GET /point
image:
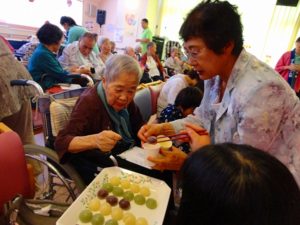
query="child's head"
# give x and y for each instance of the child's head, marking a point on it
(188, 99)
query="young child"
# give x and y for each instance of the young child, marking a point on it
(186, 101)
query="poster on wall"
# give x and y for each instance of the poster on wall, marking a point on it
(130, 24)
(119, 35)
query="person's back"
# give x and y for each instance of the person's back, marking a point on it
(231, 184)
(170, 90)
(43, 65)
(186, 101)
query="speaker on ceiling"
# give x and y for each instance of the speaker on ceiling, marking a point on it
(101, 15)
(293, 3)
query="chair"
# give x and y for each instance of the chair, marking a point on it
(16, 188)
(146, 99)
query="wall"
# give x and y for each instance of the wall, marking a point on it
(19, 19)
(122, 19)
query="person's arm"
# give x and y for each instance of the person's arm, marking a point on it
(283, 63)
(84, 131)
(260, 116)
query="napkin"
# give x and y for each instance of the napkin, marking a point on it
(138, 156)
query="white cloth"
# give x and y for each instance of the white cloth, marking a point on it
(72, 56)
(258, 108)
(170, 91)
(173, 64)
(152, 66)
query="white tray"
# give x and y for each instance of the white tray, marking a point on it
(159, 191)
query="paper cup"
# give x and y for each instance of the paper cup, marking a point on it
(152, 149)
(166, 144)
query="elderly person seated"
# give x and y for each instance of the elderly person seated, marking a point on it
(130, 51)
(79, 54)
(173, 63)
(104, 48)
(151, 63)
(43, 64)
(104, 121)
(138, 51)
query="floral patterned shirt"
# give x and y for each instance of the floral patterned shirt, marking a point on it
(258, 108)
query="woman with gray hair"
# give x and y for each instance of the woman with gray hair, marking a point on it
(104, 48)
(104, 121)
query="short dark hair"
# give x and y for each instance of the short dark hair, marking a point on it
(145, 20)
(298, 39)
(217, 23)
(68, 20)
(189, 97)
(230, 184)
(49, 34)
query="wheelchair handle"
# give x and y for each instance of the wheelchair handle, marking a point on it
(23, 82)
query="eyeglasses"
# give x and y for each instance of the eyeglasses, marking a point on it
(193, 52)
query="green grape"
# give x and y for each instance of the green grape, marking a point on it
(115, 181)
(139, 199)
(128, 195)
(111, 222)
(117, 213)
(151, 203)
(145, 191)
(108, 187)
(141, 221)
(98, 219)
(117, 191)
(85, 216)
(94, 204)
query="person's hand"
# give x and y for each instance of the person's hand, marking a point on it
(196, 141)
(171, 160)
(294, 67)
(149, 130)
(154, 130)
(106, 140)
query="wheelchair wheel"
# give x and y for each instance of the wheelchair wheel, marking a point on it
(55, 181)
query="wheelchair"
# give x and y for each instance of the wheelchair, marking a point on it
(56, 178)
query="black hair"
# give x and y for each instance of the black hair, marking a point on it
(298, 39)
(217, 23)
(68, 20)
(49, 34)
(193, 74)
(230, 184)
(189, 97)
(145, 20)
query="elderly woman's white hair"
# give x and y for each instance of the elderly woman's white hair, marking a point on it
(118, 64)
(101, 40)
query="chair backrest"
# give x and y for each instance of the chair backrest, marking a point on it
(49, 120)
(146, 100)
(142, 99)
(14, 176)
(155, 91)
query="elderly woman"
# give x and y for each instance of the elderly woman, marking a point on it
(151, 63)
(104, 48)
(104, 121)
(173, 63)
(245, 101)
(43, 64)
